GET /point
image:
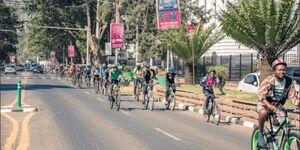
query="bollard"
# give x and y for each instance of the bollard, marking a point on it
(19, 93)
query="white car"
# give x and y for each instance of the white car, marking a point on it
(250, 83)
(10, 69)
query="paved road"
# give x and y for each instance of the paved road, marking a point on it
(72, 118)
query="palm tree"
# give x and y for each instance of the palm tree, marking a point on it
(183, 45)
(271, 27)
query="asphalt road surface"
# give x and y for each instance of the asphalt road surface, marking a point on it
(70, 118)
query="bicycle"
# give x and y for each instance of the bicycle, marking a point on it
(138, 90)
(171, 100)
(114, 97)
(79, 80)
(149, 97)
(96, 84)
(212, 108)
(278, 136)
(104, 85)
(88, 80)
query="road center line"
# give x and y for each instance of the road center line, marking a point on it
(168, 134)
(100, 99)
(13, 134)
(124, 112)
(24, 141)
(87, 93)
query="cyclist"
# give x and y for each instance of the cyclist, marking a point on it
(208, 83)
(105, 75)
(87, 71)
(114, 76)
(96, 72)
(170, 81)
(273, 93)
(147, 79)
(78, 73)
(137, 77)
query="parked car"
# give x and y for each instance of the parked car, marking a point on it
(10, 69)
(294, 73)
(250, 83)
(37, 69)
(20, 68)
(32, 66)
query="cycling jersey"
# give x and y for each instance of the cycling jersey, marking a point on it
(96, 71)
(115, 74)
(138, 73)
(271, 88)
(170, 77)
(87, 70)
(147, 75)
(207, 80)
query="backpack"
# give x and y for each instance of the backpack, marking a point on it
(282, 99)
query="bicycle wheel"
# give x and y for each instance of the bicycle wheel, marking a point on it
(292, 142)
(151, 99)
(111, 101)
(137, 95)
(173, 101)
(118, 102)
(96, 86)
(254, 140)
(216, 113)
(206, 113)
(147, 102)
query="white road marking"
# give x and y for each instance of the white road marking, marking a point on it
(2, 107)
(6, 110)
(124, 112)
(8, 78)
(168, 134)
(100, 99)
(88, 93)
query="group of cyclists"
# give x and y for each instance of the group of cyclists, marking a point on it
(273, 91)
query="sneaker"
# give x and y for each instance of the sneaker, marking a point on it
(261, 141)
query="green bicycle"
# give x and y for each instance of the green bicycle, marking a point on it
(278, 137)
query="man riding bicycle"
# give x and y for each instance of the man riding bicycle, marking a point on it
(87, 71)
(272, 94)
(170, 81)
(208, 83)
(137, 77)
(114, 76)
(96, 72)
(147, 78)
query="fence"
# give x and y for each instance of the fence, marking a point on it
(238, 65)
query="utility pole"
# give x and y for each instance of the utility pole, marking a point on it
(137, 41)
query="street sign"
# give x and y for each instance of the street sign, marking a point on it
(168, 14)
(108, 49)
(71, 51)
(116, 35)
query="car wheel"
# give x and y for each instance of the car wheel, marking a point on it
(15, 73)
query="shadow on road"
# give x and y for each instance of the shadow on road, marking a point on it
(8, 87)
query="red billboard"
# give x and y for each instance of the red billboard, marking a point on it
(71, 51)
(168, 14)
(116, 35)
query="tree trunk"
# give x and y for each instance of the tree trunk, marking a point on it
(265, 68)
(188, 73)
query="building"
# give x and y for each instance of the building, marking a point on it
(228, 46)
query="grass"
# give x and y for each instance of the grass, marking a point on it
(231, 93)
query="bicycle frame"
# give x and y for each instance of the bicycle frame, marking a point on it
(281, 127)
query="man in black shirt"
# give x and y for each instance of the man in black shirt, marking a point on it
(170, 81)
(148, 75)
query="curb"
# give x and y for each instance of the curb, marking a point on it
(228, 119)
(24, 109)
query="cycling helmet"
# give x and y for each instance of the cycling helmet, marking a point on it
(147, 65)
(171, 68)
(214, 71)
(278, 62)
(114, 66)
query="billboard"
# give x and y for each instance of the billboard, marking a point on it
(168, 14)
(71, 51)
(116, 35)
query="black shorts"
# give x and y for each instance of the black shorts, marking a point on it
(115, 82)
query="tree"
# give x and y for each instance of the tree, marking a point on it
(8, 30)
(183, 44)
(271, 27)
